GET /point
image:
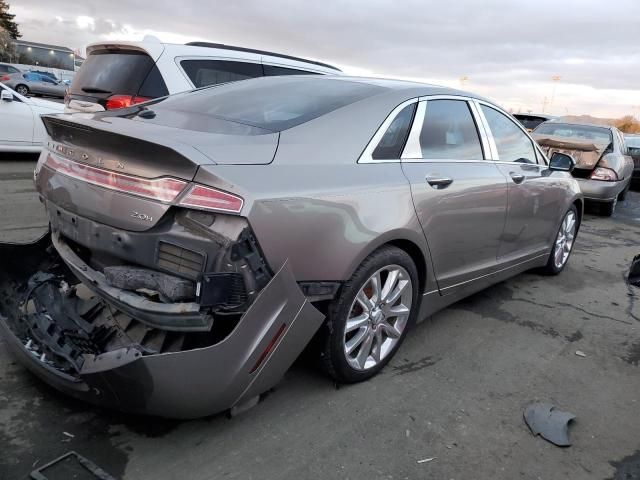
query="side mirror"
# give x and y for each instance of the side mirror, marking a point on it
(561, 162)
(6, 96)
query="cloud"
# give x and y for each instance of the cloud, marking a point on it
(508, 50)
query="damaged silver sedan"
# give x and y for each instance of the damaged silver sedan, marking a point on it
(199, 242)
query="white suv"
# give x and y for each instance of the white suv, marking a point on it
(117, 75)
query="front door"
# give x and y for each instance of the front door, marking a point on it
(460, 198)
(532, 191)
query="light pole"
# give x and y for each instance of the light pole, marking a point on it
(556, 79)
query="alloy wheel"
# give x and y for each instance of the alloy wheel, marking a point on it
(564, 240)
(22, 90)
(378, 316)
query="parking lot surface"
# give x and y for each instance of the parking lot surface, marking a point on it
(455, 393)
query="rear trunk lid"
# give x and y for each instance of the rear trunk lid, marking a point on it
(122, 150)
(586, 153)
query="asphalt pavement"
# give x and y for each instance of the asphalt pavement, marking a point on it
(448, 406)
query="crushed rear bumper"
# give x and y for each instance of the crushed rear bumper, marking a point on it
(185, 383)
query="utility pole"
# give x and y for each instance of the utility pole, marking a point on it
(556, 79)
(463, 81)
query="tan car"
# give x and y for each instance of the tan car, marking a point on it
(603, 165)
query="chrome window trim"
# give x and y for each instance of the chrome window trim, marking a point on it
(367, 154)
(412, 152)
(496, 157)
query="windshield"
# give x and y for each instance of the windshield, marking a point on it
(272, 103)
(582, 132)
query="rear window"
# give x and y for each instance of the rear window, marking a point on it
(272, 103)
(121, 72)
(633, 142)
(583, 132)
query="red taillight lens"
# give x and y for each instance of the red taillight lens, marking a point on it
(267, 350)
(212, 199)
(4, 78)
(123, 101)
(160, 189)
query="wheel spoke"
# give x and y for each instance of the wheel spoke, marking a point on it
(398, 311)
(389, 284)
(357, 322)
(376, 351)
(390, 330)
(356, 340)
(365, 349)
(402, 285)
(375, 285)
(365, 302)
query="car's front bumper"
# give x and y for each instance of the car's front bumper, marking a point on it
(599, 191)
(182, 384)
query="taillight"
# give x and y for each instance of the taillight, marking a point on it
(603, 174)
(211, 199)
(160, 189)
(123, 101)
(5, 78)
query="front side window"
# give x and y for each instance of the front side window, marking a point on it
(512, 143)
(392, 142)
(212, 72)
(449, 132)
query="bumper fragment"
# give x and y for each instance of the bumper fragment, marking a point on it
(188, 382)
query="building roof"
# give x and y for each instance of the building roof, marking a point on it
(42, 45)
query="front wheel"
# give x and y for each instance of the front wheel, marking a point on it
(22, 90)
(563, 243)
(371, 316)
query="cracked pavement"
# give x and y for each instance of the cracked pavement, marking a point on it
(455, 391)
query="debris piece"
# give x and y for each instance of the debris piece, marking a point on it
(70, 435)
(70, 465)
(425, 460)
(580, 353)
(634, 272)
(551, 424)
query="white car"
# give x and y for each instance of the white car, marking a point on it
(21, 128)
(117, 75)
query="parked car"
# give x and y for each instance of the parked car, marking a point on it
(6, 68)
(633, 146)
(117, 75)
(603, 166)
(21, 129)
(201, 240)
(29, 83)
(532, 120)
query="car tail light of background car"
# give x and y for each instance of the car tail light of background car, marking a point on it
(5, 78)
(603, 174)
(123, 101)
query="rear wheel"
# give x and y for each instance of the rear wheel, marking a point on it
(563, 243)
(371, 316)
(22, 90)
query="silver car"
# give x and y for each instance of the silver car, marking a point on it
(31, 83)
(200, 241)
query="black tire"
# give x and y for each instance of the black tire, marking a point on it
(333, 355)
(607, 209)
(551, 268)
(22, 90)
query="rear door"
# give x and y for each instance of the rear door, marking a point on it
(111, 78)
(460, 198)
(533, 195)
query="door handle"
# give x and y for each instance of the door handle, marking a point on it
(439, 182)
(517, 177)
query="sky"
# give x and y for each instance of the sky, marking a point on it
(508, 50)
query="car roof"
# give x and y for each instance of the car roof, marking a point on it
(155, 47)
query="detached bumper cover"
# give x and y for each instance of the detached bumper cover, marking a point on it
(183, 384)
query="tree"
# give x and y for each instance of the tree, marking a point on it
(7, 48)
(6, 21)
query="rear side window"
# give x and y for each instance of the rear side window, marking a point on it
(119, 72)
(449, 132)
(272, 70)
(392, 142)
(512, 143)
(212, 72)
(272, 103)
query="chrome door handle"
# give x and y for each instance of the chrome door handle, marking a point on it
(439, 182)
(517, 177)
